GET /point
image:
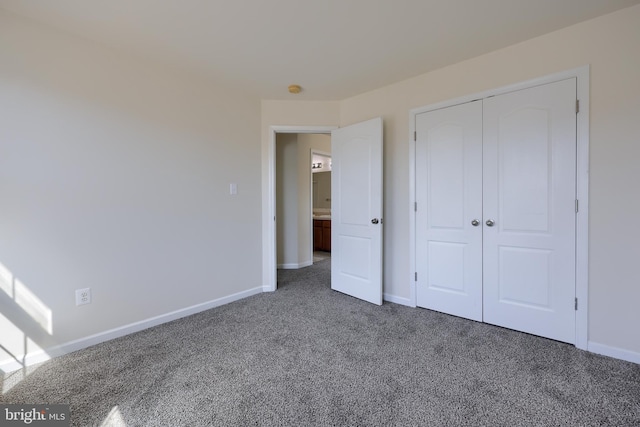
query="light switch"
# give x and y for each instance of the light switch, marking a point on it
(233, 188)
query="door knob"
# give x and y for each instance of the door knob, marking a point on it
(374, 221)
(490, 222)
(475, 222)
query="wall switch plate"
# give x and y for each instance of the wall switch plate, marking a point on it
(233, 188)
(83, 296)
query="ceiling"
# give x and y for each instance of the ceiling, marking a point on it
(334, 49)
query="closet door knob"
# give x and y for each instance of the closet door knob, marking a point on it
(475, 222)
(490, 223)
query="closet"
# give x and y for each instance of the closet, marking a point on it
(495, 223)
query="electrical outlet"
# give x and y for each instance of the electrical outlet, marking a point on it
(83, 296)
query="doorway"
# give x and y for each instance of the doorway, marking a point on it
(270, 247)
(295, 213)
(356, 224)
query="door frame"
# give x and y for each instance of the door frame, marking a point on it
(269, 238)
(582, 185)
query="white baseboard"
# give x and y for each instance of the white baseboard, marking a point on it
(293, 266)
(615, 352)
(79, 344)
(397, 300)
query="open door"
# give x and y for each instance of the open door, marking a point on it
(356, 226)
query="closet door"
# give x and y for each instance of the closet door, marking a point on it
(529, 185)
(449, 201)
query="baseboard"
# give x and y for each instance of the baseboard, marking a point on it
(79, 344)
(293, 266)
(615, 352)
(397, 300)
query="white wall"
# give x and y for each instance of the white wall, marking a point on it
(287, 200)
(610, 44)
(114, 175)
(293, 196)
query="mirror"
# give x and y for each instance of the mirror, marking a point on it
(322, 190)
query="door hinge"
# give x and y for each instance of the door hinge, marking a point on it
(415, 277)
(576, 205)
(415, 135)
(415, 206)
(577, 106)
(576, 304)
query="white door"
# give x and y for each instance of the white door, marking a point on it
(513, 158)
(449, 202)
(529, 175)
(356, 212)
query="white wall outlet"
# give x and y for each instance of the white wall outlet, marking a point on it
(83, 296)
(233, 188)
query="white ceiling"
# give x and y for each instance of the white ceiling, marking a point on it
(334, 49)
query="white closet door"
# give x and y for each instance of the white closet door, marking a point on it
(529, 176)
(449, 218)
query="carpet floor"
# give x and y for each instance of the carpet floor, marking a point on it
(309, 356)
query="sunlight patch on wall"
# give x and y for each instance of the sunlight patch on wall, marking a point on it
(6, 280)
(26, 299)
(23, 321)
(33, 306)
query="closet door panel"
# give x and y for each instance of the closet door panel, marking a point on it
(529, 170)
(449, 199)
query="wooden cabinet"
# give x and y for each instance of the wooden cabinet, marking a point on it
(326, 235)
(322, 235)
(317, 235)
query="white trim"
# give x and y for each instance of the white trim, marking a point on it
(398, 300)
(582, 185)
(582, 218)
(580, 73)
(412, 210)
(615, 352)
(295, 266)
(79, 344)
(269, 254)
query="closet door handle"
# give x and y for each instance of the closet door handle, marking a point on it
(490, 223)
(475, 222)
(374, 221)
